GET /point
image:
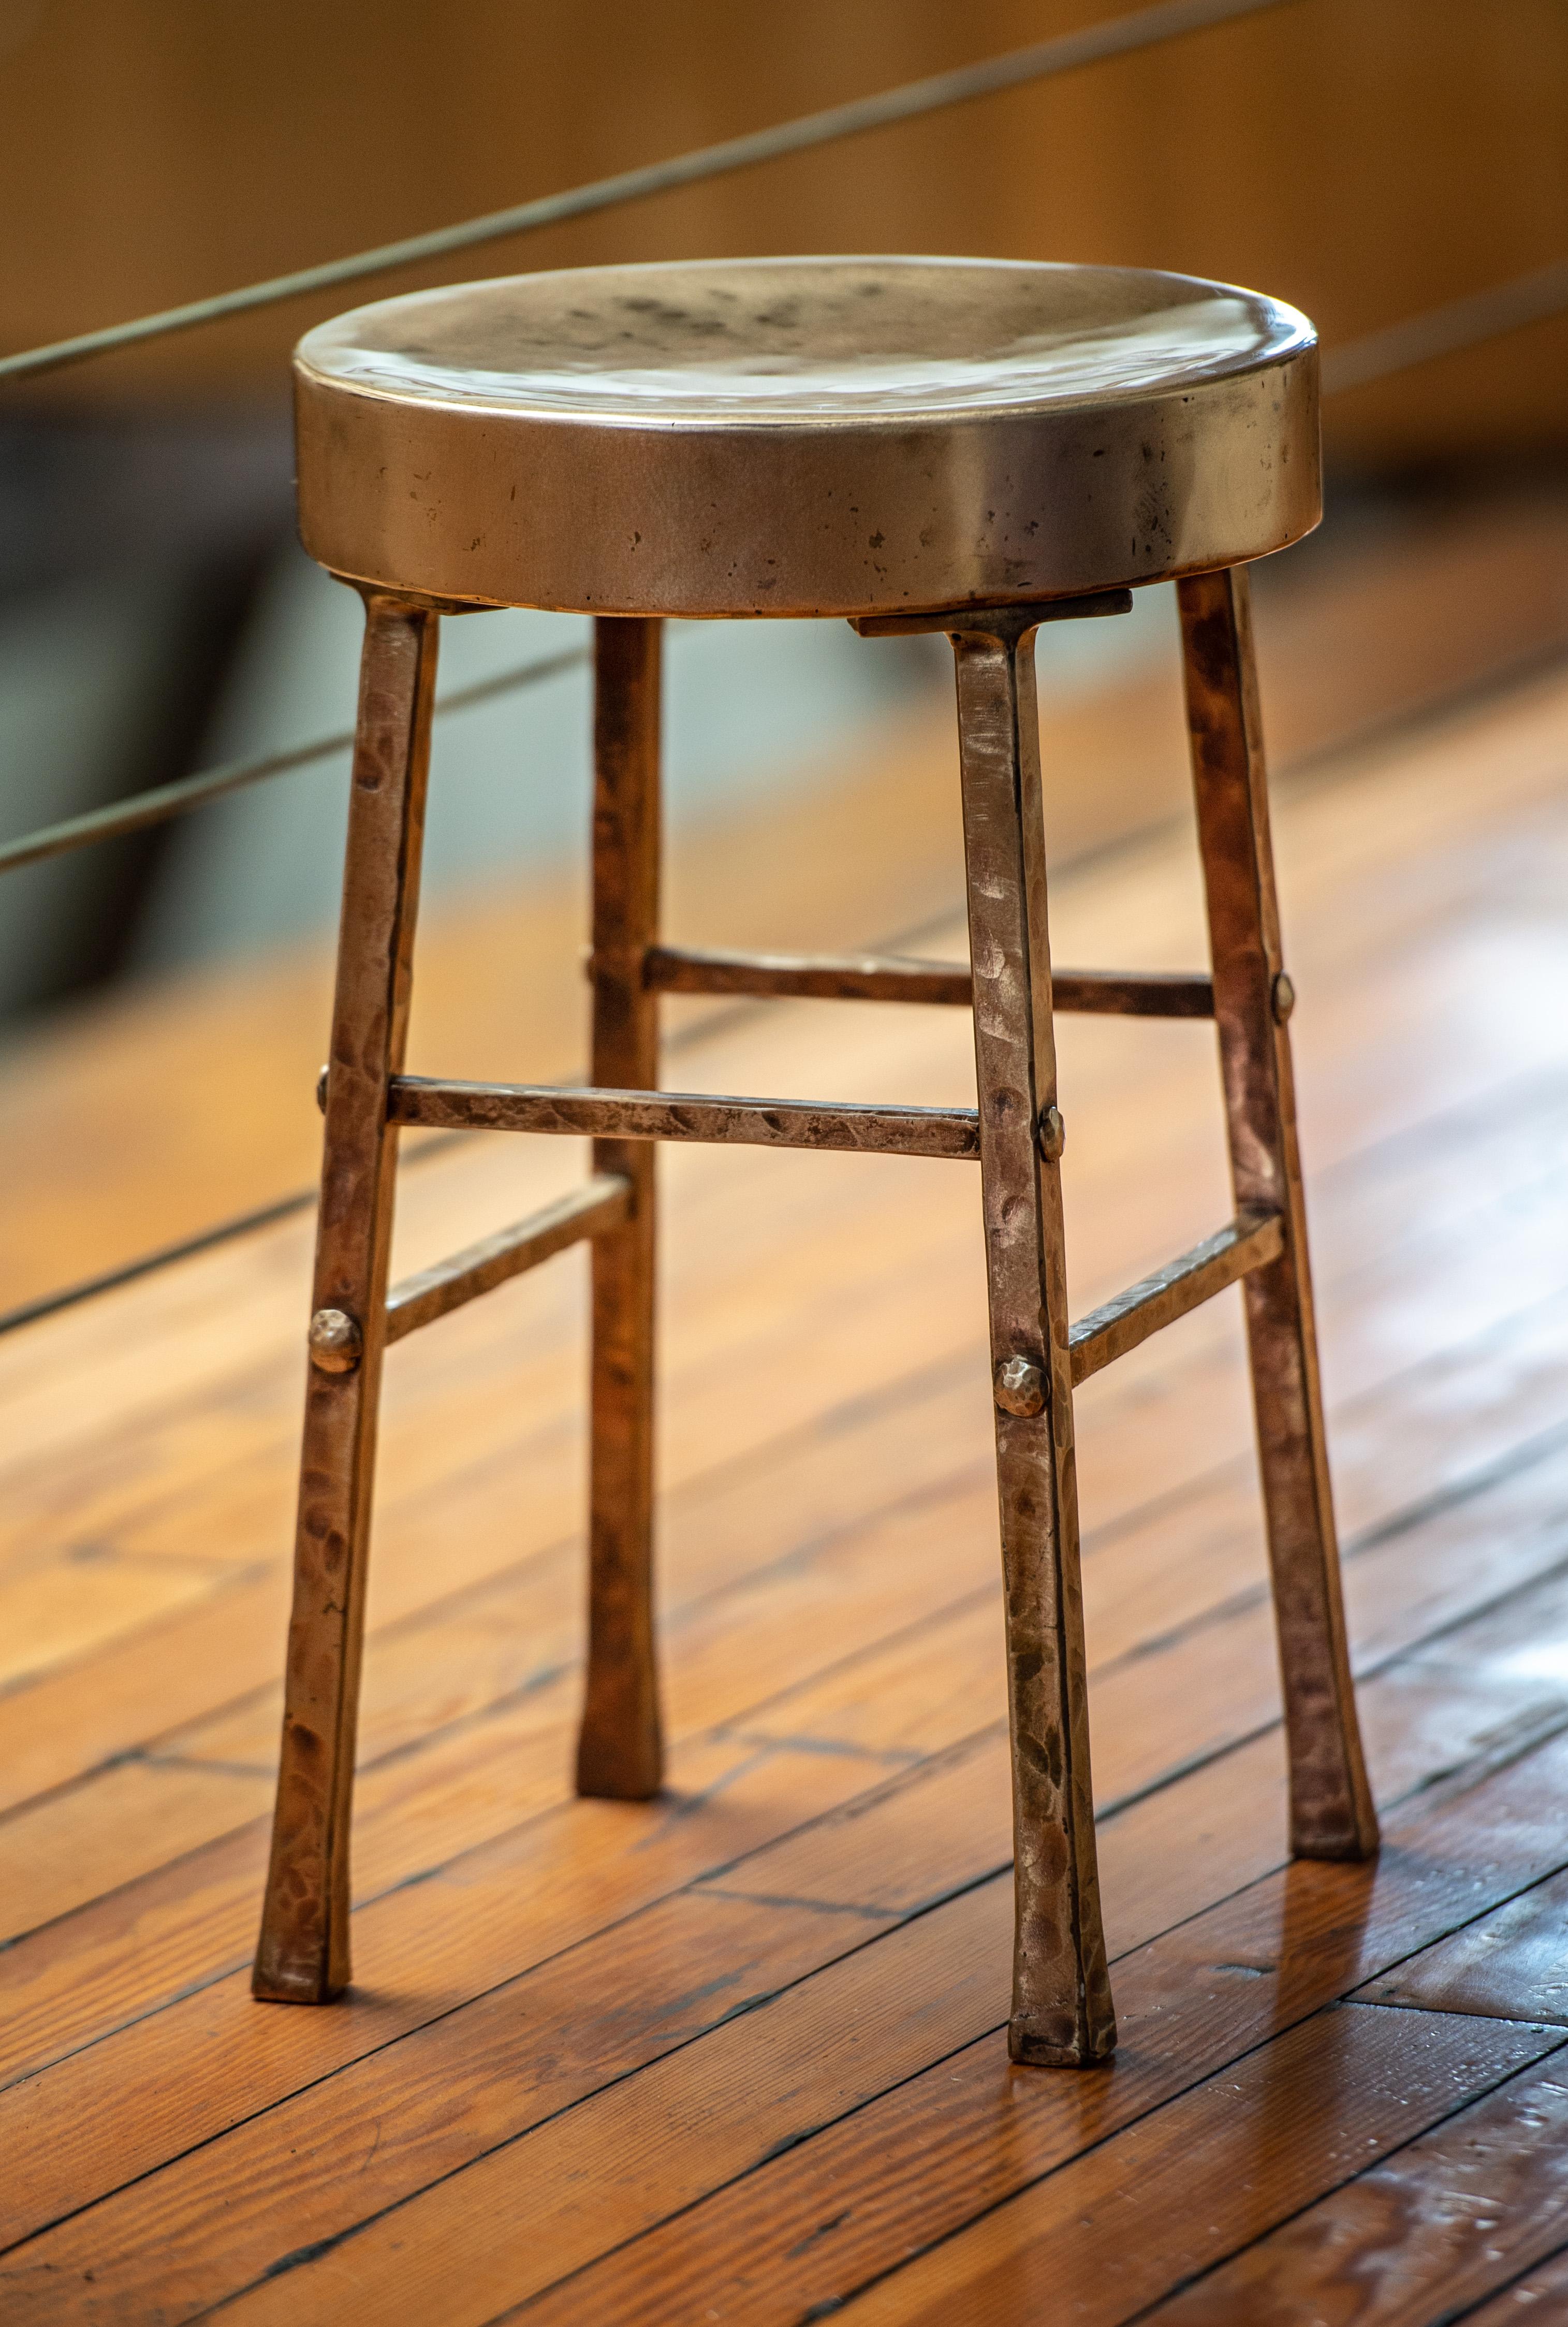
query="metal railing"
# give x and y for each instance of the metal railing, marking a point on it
(142, 810)
(1145, 28)
(1446, 330)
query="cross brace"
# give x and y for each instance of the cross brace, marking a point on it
(600, 1204)
(894, 978)
(593, 1114)
(1248, 1242)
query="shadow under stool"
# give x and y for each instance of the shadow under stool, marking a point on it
(968, 446)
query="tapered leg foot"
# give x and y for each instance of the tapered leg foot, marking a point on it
(1331, 1809)
(302, 1957)
(620, 1748)
(1062, 2015)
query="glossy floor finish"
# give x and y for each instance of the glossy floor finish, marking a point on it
(738, 2055)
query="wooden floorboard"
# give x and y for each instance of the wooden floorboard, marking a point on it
(1540, 2290)
(955, 2144)
(738, 2053)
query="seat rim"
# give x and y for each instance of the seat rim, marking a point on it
(331, 360)
(465, 502)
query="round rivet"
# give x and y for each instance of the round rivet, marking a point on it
(321, 1089)
(1052, 1134)
(1019, 1387)
(336, 1342)
(1284, 998)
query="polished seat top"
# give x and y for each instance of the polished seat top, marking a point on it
(805, 435)
(794, 342)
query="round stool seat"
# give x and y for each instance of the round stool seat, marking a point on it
(805, 435)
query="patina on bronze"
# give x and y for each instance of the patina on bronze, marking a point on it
(1331, 1812)
(303, 1954)
(894, 978)
(334, 1340)
(620, 1744)
(599, 1206)
(959, 445)
(1061, 1988)
(1119, 1324)
(805, 436)
(627, 1116)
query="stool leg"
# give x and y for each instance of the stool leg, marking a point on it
(1061, 1998)
(303, 1953)
(1331, 1812)
(620, 1753)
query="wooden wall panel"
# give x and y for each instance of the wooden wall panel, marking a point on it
(1365, 161)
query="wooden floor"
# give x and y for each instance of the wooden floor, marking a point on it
(738, 2055)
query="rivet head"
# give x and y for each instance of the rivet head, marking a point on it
(1284, 998)
(1020, 1387)
(321, 1089)
(1052, 1134)
(336, 1342)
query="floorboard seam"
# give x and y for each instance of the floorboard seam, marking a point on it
(902, 1920)
(1540, 2261)
(1217, 2068)
(938, 1372)
(1174, 1775)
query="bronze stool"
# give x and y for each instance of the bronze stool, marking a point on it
(934, 444)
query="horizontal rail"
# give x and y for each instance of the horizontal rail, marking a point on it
(144, 810)
(1250, 1241)
(897, 978)
(1133, 993)
(602, 1203)
(826, 977)
(1144, 28)
(589, 1114)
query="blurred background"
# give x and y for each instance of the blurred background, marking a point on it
(156, 616)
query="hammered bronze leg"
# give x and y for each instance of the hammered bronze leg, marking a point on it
(303, 1952)
(619, 1751)
(1331, 1811)
(1062, 1997)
